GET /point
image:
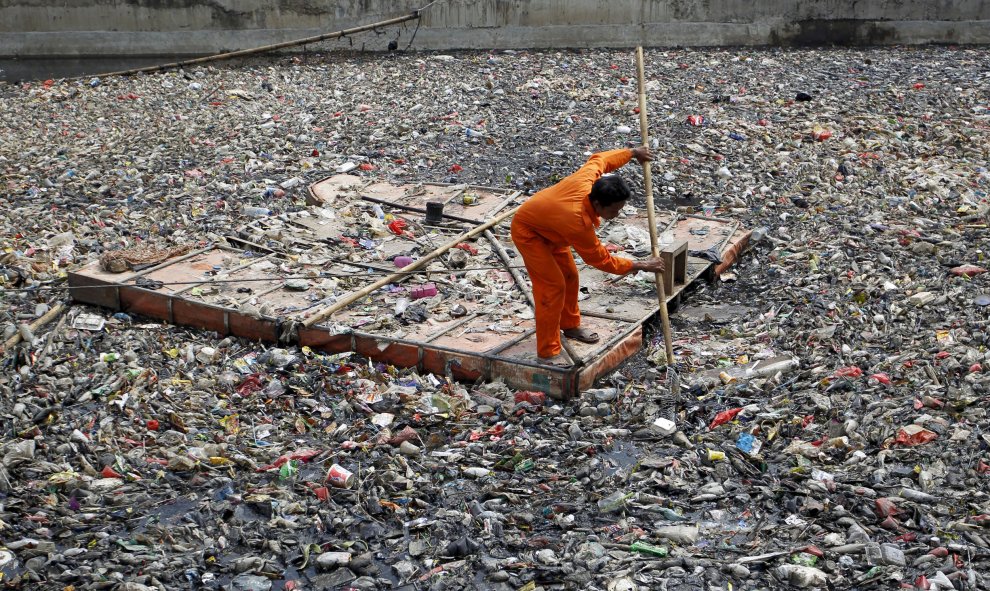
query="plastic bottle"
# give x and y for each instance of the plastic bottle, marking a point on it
(26, 333)
(614, 502)
(650, 549)
(256, 212)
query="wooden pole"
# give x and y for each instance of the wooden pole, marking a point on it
(521, 284)
(350, 299)
(650, 213)
(256, 50)
(45, 319)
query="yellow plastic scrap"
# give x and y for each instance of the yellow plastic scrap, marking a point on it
(231, 424)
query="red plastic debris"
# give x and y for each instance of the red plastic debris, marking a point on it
(109, 472)
(885, 507)
(967, 271)
(495, 432)
(455, 168)
(302, 455)
(849, 372)
(397, 226)
(814, 551)
(152, 425)
(881, 378)
(251, 384)
(724, 417)
(406, 434)
(820, 134)
(918, 85)
(366, 166)
(534, 398)
(912, 435)
(696, 120)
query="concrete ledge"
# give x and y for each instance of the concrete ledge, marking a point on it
(696, 34)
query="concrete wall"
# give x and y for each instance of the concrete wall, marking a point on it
(37, 28)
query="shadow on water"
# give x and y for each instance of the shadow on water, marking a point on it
(17, 70)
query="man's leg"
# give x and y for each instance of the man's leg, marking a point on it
(548, 289)
(570, 314)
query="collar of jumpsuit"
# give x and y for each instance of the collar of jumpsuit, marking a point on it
(592, 215)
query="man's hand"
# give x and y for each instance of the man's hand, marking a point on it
(642, 154)
(650, 265)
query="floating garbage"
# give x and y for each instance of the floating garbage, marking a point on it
(826, 427)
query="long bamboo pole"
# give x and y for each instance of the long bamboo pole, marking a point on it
(350, 299)
(650, 213)
(256, 50)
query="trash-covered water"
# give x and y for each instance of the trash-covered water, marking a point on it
(140, 456)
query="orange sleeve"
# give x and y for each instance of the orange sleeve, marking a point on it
(604, 162)
(587, 245)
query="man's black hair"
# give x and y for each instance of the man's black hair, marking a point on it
(609, 189)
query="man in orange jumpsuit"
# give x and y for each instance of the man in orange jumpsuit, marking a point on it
(562, 217)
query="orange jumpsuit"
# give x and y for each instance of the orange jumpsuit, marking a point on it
(545, 229)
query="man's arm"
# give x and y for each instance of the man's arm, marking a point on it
(650, 265)
(610, 161)
(592, 252)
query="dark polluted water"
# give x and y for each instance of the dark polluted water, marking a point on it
(24, 70)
